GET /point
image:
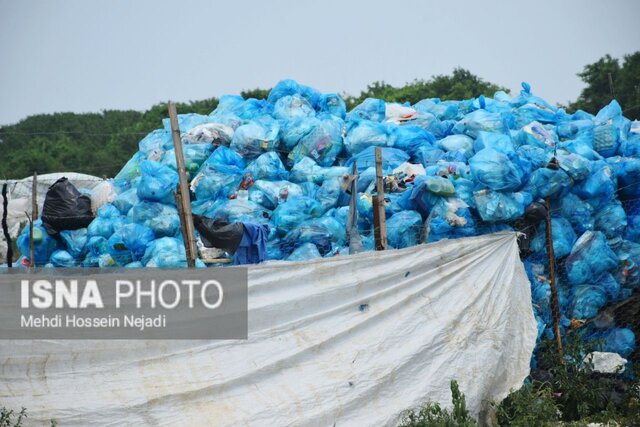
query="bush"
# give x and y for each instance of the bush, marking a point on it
(432, 414)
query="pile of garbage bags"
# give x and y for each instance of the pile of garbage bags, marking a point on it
(452, 169)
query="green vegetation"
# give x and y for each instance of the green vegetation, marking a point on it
(101, 143)
(431, 414)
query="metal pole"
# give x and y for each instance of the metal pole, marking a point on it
(186, 219)
(379, 218)
(555, 305)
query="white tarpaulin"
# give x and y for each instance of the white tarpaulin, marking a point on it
(345, 341)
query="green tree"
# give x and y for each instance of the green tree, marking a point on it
(461, 84)
(606, 75)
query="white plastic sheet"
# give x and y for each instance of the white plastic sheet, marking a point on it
(346, 341)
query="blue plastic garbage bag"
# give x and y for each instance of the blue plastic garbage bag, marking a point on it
(273, 250)
(158, 182)
(224, 160)
(155, 143)
(427, 121)
(411, 137)
(239, 210)
(578, 212)
(576, 166)
(546, 182)
(633, 228)
(495, 170)
(43, 244)
(450, 219)
(322, 143)
(609, 285)
(62, 258)
(129, 172)
(481, 120)
(96, 247)
(186, 121)
(267, 166)
(129, 243)
(404, 229)
(441, 110)
(329, 194)
(333, 104)
(255, 108)
(571, 129)
(228, 104)
(563, 237)
(290, 87)
(295, 211)
(106, 222)
(427, 155)
(367, 134)
(494, 206)
(628, 272)
(214, 185)
(628, 173)
(606, 140)
(75, 241)
(616, 340)
(256, 137)
(532, 112)
(292, 107)
(611, 220)
(304, 252)
(270, 193)
(538, 157)
(307, 170)
(608, 112)
(600, 184)
(589, 257)
(293, 131)
(370, 109)
(391, 158)
(194, 157)
(162, 219)
(167, 252)
(323, 232)
(498, 141)
(209, 135)
(587, 301)
(464, 191)
(125, 200)
(459, 143)
(535, 134)
(631, 146)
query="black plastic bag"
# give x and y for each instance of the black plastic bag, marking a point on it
(218, 233)
(65, 208)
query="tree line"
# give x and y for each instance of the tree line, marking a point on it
(101, 143)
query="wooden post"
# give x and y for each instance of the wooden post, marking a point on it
(186, 220)
(555, 305)
(355, 243)
(379, 218)
(5, 227)
(32, 218)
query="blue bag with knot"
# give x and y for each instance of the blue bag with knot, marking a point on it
(495, 170)
(158, 182)
(291, 87)
(403, 229)
(589, 257)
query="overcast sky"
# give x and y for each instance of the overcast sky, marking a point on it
(84, 55)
